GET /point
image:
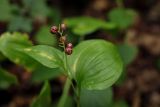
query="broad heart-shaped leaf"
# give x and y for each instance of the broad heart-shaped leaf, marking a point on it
(7, 79)
(85, 25)
(44, 98)
(122, 17)
(96, 98)
(10, 44)
(96, 64)
(46, 55)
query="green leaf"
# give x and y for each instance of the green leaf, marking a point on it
(100, 98)
(46, 55)
(7, 79)
(44, 37)
(44, 98)
(38, 8)
(121, 79)
(128, 53)
(96, 64)
(42, 73)
(2, 57)
(10, 44)
(120, 103)
(55, 15)
(20, 23)
(28, 3)
(68, 103)
(122, 17)
(5, 10)
(86, 25)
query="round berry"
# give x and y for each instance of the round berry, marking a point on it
(69, 45)
(54, 29)
(63, 26)
(62, 39)
(68, 51)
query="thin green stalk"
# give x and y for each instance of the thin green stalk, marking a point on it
(63, 98)
(65, 60)
(68, 83)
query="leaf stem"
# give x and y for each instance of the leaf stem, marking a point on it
(63, 98)
(68, 83)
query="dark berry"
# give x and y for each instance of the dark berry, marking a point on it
(69, 45)
(68, 51)
(54, 29)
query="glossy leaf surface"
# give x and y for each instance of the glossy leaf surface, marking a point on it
(46, 55)
(96, 64)
(10, 46)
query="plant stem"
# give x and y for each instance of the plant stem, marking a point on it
(68, 83)
(63, 98)
(65, 60)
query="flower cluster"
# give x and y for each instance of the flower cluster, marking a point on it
(68, 47)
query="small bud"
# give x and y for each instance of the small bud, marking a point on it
(54, 29)
(69, 45)
(68, 51)
(63, 26)
(62, 39)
